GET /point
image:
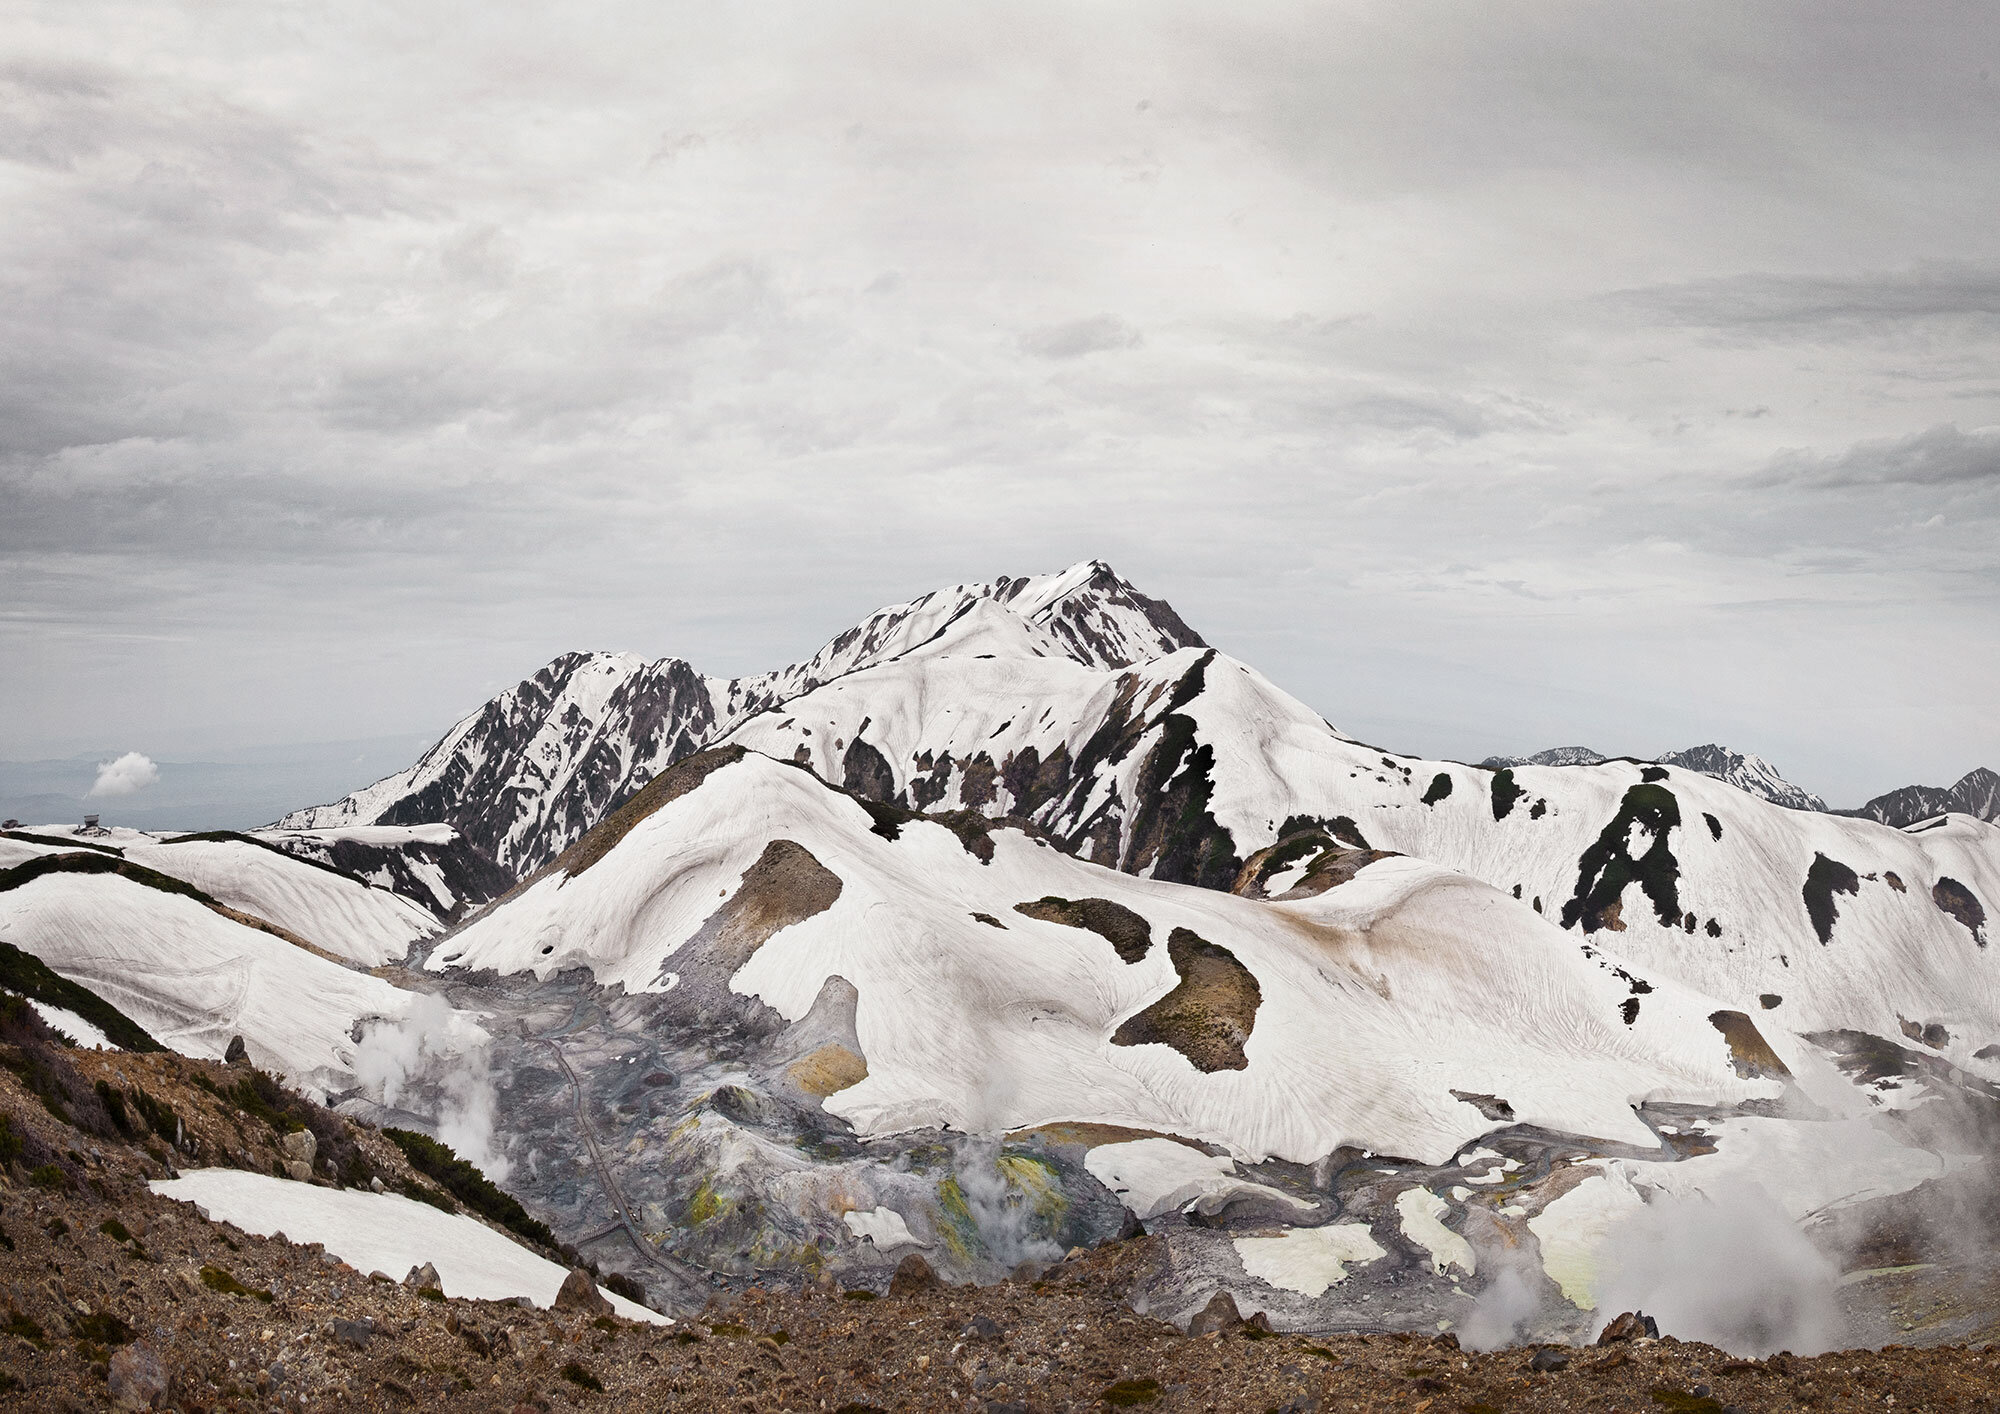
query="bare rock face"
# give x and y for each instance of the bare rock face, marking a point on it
(913, 1275)
(138, 1380)
(580, 1293)
(1220, 1314)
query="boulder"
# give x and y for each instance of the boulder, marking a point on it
(1628, 1325)
(1548, 1358)
(137, 1378)
(237, 1051)
(424, 1278)
(983, 1328)
(1220, 1314)
(913, 1275)
(356, 1334)
(580, 1293)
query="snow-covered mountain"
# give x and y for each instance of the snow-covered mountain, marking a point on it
(786, 1013)
(1554, 756)
(1977, 794)
(1742, 770)
(528, 773)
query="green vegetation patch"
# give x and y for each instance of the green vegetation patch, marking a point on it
(582, 1378)
(471, 1187)
(1607, 866)
(1440, 788)
(27, 974)
(220, 1279)
(1505, 793)
(1129, 1392)
(1681, 1400)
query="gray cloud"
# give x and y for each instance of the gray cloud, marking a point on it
(1828, 306)
(1098, 334)
(1461, 406)
(1937, 456)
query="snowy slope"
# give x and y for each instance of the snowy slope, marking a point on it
(1378, 998)
(383, 1232)
(430, 865)
(366, 925)
(194, 978)
(530, 771)
(1184, 767)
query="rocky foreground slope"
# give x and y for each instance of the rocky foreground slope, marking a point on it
(113, 1294)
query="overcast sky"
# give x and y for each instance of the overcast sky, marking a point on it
(1491, 376)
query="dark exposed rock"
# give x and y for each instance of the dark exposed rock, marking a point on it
(1826, 878)
(1549, 1358)
(1207, 1017)
(1220, 1314)
(236, 1051)
(1130, 935)
(913, 1274)
(1628, 1325)
(579, 1293)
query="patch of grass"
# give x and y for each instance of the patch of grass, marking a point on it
(261, 1097)
(114, 1230)
(10, 1142)
(857, 1295)
(26, 1327)
(1129, 1392)
(1505, 793)
(49, 1176)
(1440, 788)
(103, 1328)
(582, 1378)
(220, 1279)
(420, 1193)
(471, 1187)
(430, 1293)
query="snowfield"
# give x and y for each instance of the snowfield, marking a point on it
(1379, 998)
(383, 1232)
(366, 925)
(194, 978)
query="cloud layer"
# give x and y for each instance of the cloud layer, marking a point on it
(1491, 376)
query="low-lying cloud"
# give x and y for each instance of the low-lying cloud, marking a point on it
(127, 775)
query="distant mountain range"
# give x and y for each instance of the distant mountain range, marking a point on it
(1977, 794)
(1742, 770)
